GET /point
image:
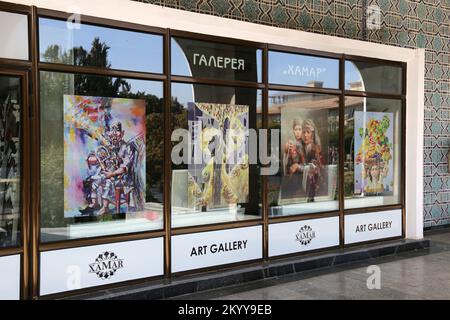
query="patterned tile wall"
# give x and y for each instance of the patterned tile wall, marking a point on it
(405, 23)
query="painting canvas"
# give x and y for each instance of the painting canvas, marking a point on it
(374, 170)
(10, 166)
(305, 155)
(223, 181)
(104, 155)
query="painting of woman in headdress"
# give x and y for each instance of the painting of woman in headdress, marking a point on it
(313, 158)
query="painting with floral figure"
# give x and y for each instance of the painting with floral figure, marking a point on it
(104, 155)
(374, 153)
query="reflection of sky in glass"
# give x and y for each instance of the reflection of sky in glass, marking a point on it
(147, 87)
(259, 61)
(374, 77)
(352, 74)
(129, 50)
(183, 92)
(295, 69)
(180, 63)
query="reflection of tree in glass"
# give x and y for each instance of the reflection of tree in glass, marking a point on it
(154, 143)
(78, 56)
(96, 57)
(179, 120)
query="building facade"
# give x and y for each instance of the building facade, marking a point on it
(142, 142)
(403, 23)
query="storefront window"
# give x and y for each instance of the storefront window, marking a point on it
(213, 179)
(373, 77)
(101, 155)
(13, 36)
(195, 58)
(10, 157)
(87, 45)
(372, 168)
(302, 70)
(307, 180)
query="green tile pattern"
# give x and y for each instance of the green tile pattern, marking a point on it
(404, 23)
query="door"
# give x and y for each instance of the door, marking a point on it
(14, 218)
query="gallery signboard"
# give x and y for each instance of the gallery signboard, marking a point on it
(204, 59)
(305, 235)
(206, 249)
(373, 226)
(10, 277)
(78, 268)
(303, 70)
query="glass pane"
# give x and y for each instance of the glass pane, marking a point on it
(372, 77)
(10, 145)
(101, 156)
(302, 70)
(13, 36)
(94, 46)
(195, 58)
(307, 179)
(372, 168)
(213, 180)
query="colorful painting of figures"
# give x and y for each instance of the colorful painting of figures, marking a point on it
(104, 155)
(308, 156)
(221, 133)
(374, 169)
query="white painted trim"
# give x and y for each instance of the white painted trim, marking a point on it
(157, 16)
(163, 17)
(414, 145)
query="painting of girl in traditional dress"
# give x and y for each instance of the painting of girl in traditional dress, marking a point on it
(373, 153)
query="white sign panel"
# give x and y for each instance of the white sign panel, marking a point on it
(298, 236)
(77, 268)
(10, 277)
(205, 249)
(372, 226)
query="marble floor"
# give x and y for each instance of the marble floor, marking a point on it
(421, 274)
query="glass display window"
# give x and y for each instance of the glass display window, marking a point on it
(373, 77)
(373, 152)
(101, 156)
(14, 36)
(213, 180)
(307, 180)
(82, 44)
